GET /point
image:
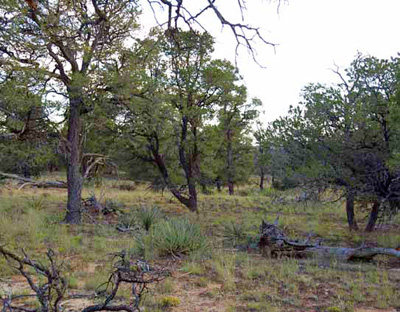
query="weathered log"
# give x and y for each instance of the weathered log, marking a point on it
(27, 181)
(8, 136)
(275, 242)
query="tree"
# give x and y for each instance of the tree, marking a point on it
(345, 136)
(26, 140)
(167, 116)
(234, 116)
(65, 43)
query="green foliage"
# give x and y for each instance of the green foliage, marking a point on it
(342, 135)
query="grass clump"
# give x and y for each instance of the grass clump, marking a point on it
(148, 216)
(234, 233)
(178, 236)
(169, 301)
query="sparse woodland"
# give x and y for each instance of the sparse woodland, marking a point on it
(136, 174)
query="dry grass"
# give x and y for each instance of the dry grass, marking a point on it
(224, 278)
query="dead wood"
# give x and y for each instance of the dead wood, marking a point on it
(137, 275)
(27, 181)
(275, 242)
(48, 293)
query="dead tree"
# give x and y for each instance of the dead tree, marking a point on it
(274, 242)
(50, 294)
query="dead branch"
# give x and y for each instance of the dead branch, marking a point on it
(244, 34)
(50, 293)
(136, 274)
(93, 162)
(274, 241)
(27, 181)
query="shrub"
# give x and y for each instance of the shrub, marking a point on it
(178, 236)
(234, 233)
(147, 217)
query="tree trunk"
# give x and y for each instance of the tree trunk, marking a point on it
(373, 217)
(229, 162)
(188, 164)
(192, 197)
(218, 183)
(159, 161)
(74, 176)
(262, 176)
(231, 189)
(350, 211)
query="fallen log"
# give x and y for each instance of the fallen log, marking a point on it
(27, 181)
(274, 242)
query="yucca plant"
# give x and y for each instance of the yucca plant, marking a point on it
(178, 236)
(234, 233)
(148, 216)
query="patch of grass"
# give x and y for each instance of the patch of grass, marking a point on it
(36, 203)
(166, 287)
(261, 306)
(224, 267)
(143, 246)
(193, 267)
(95, 281)
(177, 237)
(169, 301)
(72, 282)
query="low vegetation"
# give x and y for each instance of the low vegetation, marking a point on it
(212, 261)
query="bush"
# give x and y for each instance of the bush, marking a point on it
(178, 236)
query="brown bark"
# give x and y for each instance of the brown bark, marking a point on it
(229, 162)
(231, 188)
(350, 211)
(262, 177)
(159, 161)
(373, 217)
(188, 165)
(74, 176)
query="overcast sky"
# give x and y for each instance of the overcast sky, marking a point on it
(312, 36)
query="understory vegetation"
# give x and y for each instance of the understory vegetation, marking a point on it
(212, 257)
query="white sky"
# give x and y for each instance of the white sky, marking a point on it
(312, 36)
